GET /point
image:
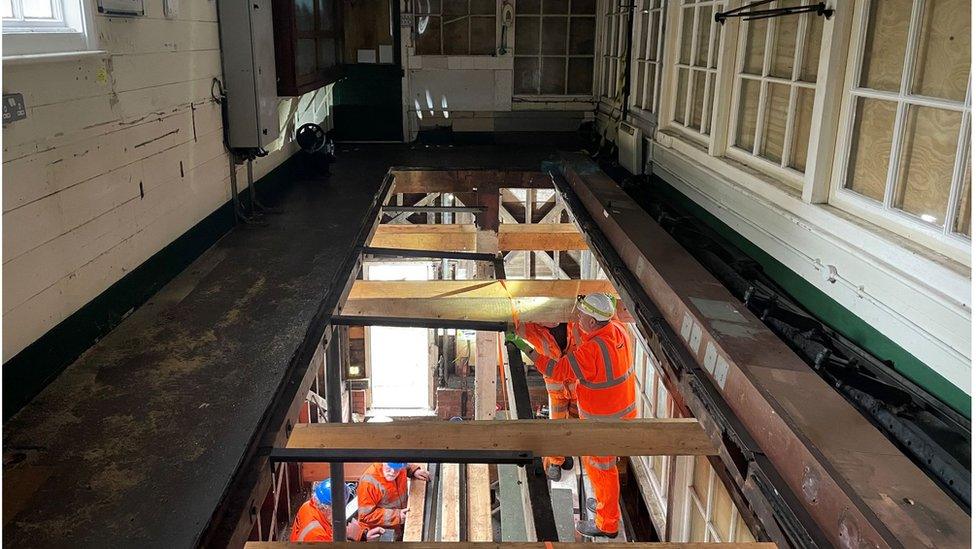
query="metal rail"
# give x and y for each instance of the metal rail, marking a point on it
(432, 209)
(427, 254)
(408, 322)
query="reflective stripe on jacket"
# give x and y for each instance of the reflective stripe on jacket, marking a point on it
(380, 500)
(602, 364)
(545, 345)
(310, 525)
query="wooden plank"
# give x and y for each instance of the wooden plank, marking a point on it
(413, 529)
(479, 502)
(517, 545)
(450, 498)
(312, 472)
(408, 180)
(638, 437)
(493, 289)
(486, 375)
(548, 237)
(462, 238)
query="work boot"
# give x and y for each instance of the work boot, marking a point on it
(588, 528)
(554, 473)
(591, 505)
(568, 463)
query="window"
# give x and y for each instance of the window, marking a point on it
(907, 119)
(554, 41)
(648, 46)
(614, 42)
(455, 27)
(654, 402)
(709, 513)
(775, 84)
(44, 26)
(693, 86)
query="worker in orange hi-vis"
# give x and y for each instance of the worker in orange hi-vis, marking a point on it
(382, 494)
(313, 522)
(562, 394)
(602, 364)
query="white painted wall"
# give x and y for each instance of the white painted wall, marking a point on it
(74, 221)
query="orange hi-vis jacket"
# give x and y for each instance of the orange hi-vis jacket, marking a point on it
(545, 344)
(380, 500)
(602, 364)
(310, 525)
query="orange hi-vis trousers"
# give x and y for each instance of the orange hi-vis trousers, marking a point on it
(562, 405)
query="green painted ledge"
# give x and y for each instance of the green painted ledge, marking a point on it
(826, 309)
(29, 371)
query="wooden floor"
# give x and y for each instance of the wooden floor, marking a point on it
(137, 442)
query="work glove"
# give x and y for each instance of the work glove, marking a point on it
(522, 344)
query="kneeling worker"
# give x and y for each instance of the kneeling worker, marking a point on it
(602, 364)
(382, 494)
(313, 522)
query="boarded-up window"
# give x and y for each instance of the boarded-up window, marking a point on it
(554, 45)
(775, 87)
(648, 48)
(455, 27)
(695, 71)
(909, 112)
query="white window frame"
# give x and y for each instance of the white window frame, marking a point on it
(754, 157)
(613, 17)
(885, 214)
(712, 74)
(71, 31)
(646, 102)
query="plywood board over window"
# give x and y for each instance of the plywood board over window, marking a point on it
(554, 47)
(455, 27)
(696, 67)
(774, 90)
(907, 117)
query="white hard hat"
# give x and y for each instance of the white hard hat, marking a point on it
(599, 306)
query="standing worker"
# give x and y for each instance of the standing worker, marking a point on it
(602, 364)
(382, 494)
(562, 394)
(313, 522)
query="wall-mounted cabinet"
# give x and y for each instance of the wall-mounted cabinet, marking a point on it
(307, 44)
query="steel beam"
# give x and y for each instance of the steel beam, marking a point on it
(432, 209)
(426, 254)
(333, 398)
(404, 322)
(542, 515)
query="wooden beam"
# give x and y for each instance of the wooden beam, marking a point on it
(485, 375)
(637, 437)
(413, 529)
(534, 300)
(450, 518)
(475, 289)
(313, 472)
(408, 180)
(479, 502)
(537, 236)
(515, 545)
(463, 238)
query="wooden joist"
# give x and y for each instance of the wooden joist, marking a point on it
(514, 545)
(406, 180)
(534, 300)
(463, 238)
(479, 502)
(638, 437)
(413, 529)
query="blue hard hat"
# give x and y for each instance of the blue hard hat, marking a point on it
(396, 466)
(322, 492)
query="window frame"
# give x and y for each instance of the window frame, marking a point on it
(639, 103)
(754, 158)
(716, 37)
(884, 213)
(71, 31)
(418, 15)
(540, 97)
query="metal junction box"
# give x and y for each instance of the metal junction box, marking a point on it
(248, 55)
